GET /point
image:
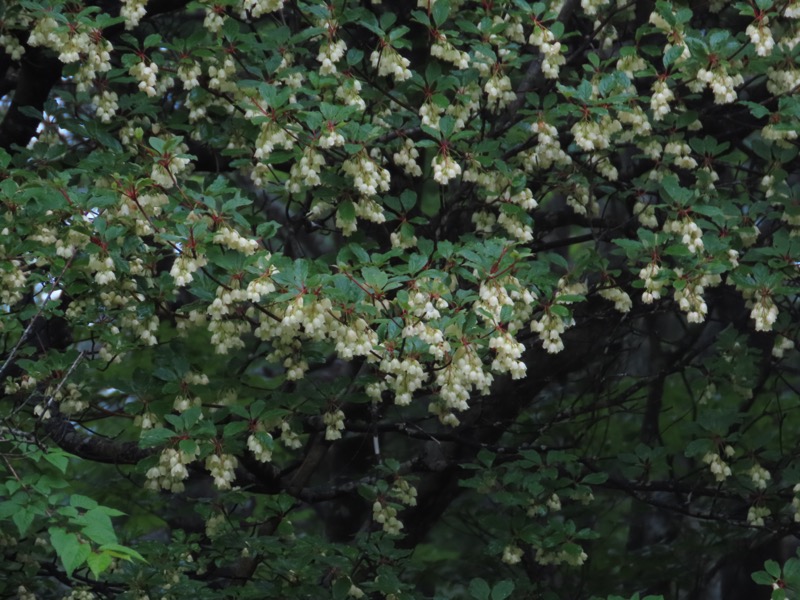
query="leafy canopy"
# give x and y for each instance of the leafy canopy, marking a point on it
(445, 299)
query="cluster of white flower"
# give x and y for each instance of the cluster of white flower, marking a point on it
(456, 381)
(184, 266)
(95, 58)
(349, 91)
(796, 502)
(146, 420)
(782, 135)
(234, 240)
(466, 104)
(548, 151)
(757, 514)
(133, 11)
(681, 152)
(652, 285)
(261, 450)
(509, 351)
(544, 557)
(226, 334)
(691, 235)
(512, 554)
(404, 377)
(622, 301)
(368, 176)
(330, 53)
(289, 437)
(484, 222)
(270, 136)
(719, 468)
(761, 37)
(401, 240)
(690, 300)
(638, 125)
(496, 293)
(660, 99)
(445, 168)
(334, 424)
(9, 42)
(764, 312)
(592, 7)
(221, 467)
(630, 64)
(44, 33)
(406, 157)
(13, 279)
(103, 269)
(105, 105)
(445, 51)
(69, 398)
(781, 346)
(183, 403)
(581, 200)
(24, 594)
(389, 62)
(171, 470)
(80, 594)
(760, 476)
(146, 73)
(305, 172)
(330, 138)
(606, 168)
(386, 515)
(142, 328)
(404, 492)
(499, 92)
(356, 338)
(188, 73)
(720, 82)
(430, 114)
(166, 169)
(215, 18)
(255, 8)
(221, 77)
(593, 135)
(543, 38)
(522, 232)
(550, 326)
(782, 80)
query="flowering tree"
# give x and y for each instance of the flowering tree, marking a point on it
(370, 299)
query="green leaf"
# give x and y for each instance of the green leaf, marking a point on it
(23, 518)
(58, 459)
(99, 562)
(155, 437)
(375, 277)
(502, 590)
(69, 549)
(479, 589)
(118, 551)
(671, 55)
(80, 501)
(773, 568)
(440, 11)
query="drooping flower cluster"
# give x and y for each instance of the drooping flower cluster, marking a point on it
(652, 283)
(388, 61)
(368, 176)
(764, 311)
(552, 59)
(445, 168)
(719, 468)
(171, 470)
(221, 467)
